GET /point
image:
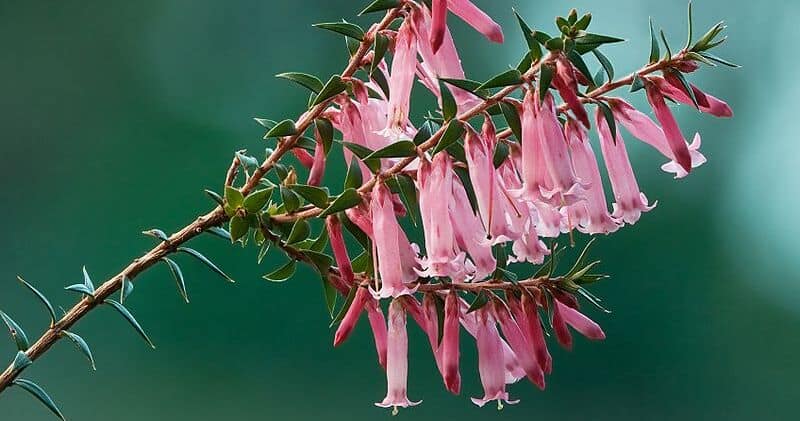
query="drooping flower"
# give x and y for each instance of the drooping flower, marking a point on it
(584, 325)
(533, 167)
(397, 360)
(477, 19)
(526, 313)
(378, 325)
(593, 216)
(646, 130)
(673, 88)
(401, 80)
(630, 202)
(450, 346)
(351, 317)
(567, 87)
(339, 249)
(385, 236)
(675, 139)
(491, 365)
(566, 187)
(439, 23)
(521, 346)
(470, 235)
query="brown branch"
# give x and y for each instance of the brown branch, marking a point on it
(214, 218)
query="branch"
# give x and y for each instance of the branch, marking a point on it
(213, 218)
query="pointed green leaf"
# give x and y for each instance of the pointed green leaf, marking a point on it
(284, 128)
(577, 60)
(467, 85)
(333, 87)
(668, 53)
(322, 262)
(379, 47)
(545, 80)
(687, 88)
(609, 116)
(233, 198)
(719, 60)
(178, 275)
(507, 78)
(454, 131)
(530, 39)
(480, 300)
(345, 28)
(330, 295)
(597, 39)
(404, 186)
(320, 242)
(353, 179)
(449, 106)
(21, 361)
(80, 289)
(690, 28)
(655, 51)
(501, 152)
(511, 115)
(362, 153)
(606, 63)
(345, 306)
(300, 231)
(39, 393)
(82, 346)
(262, 252)
(637, 84)
(380, 79)
(256, 200)
(399, 149)
(156, 233)
(305, 80)
(315, 195)
(238, 228)
(41, 298)
(348, 199)
(425, 132)
(197, 255)
(219, 232)
(125, 290)
(214, 196)
(291, 201)
(16, 332)
(380, 5)
(283, 273)
(706, 41)
(132, 320)
(324, 128)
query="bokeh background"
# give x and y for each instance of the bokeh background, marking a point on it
(115, 115)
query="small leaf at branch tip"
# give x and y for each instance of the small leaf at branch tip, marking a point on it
(655, 51)
(156, 233)
(126, 288)
(132, 320)
(41, 298)
(215, 197)
(16, 332)
(40, 394)
(82, 346)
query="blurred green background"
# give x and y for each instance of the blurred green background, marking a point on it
(115, 115)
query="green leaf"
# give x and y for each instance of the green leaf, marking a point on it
(545, 80)
(320, 242)
(609, 116)
(706, 41)
(16, 332)
(283, 273)
(583, 22)
(655, 51)
(399, 149)
(530, 38)
(215, 197)
(132, 320)
(324, 128)
(348, 199)
(178, 275)
(333, 87)
(404, 186)
(449, 106)
(80, 289)
(525, 63)
(362, 153)
(263, 252)
(687, 88)
(353, 178)
(305, 80)
(668, 53)
(480, 300)
(511, 115)
(363, 263)
(322, 262)
(507, 78)
(425, 132)
(690, 28)
(197, 255)
(330, 295)
(345, 28)
(501, 152)
(379, 47)
(314, 195)
(554, 44)
(238, 228)
(356, 232)
(345, 306)
(125, 290)
(39, 393)
(454, 131)
(219, 232)
(82, 346)
(637, 84)
(300, 231)
(41, 298)
(467, 85)
(21, 361)
(256, 200)
(233, 199)
(606, 63)
(380, 79)
(156, 233)
(719, 60)
(291, 201)
(577, 60)
(597, 39)
(284, 128)
(379, 5)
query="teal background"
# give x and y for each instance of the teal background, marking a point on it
(115, 115)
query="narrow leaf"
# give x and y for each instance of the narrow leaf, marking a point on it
(577, 60)
(454, 131)
(348, 199)
(637, 84)
(284, 128)
(609, 116)
(39, 393)
(16, 332)
(132, 320)
(300, 231)
(399, 149)
(178, 275)
(21, 361)
(345, 28)
(215, 197)
(82, 346)
(156, 233)
(126, 288)
(333, 87)
(655, 51)
(511, 115)
(283, 273)
(606, 63)
(480, 300)
(314, 195)
(449, 106)
(219, 232)
(305, 80)
(690, 28)
(380, 5)
(545, 79)
(353, 179)
(507, 78)
(404, 186)
(197, 255)
(41, 298)
(80, 289)
(379, 48)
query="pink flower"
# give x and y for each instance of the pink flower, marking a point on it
(490, 360)
(378, 326)
(534, 169)
(385, 235)
(521, 346)
(470, 235)
(644, 129)
(477, 19)
(675, 139)
(630, 201)
(449, 346)
(596, 218)
(584, 325)
(339, 249)
(439, 25)
(560, 327)
(351, 317)
(567, 87)
(401, 80)
(318, 166)
(673, 88)
(526, 314)
(397, 360)
(556, 156)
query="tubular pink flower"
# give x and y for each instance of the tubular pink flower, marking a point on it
(673, 88)
(630, 201)
(378, 325)
(318, 166)
(450, 346)
(470, 235)
(351, 317)
(560, 327)
(339, 249)
(644, 129)
(490, 360)
(439, 23)
(477, 19)
(397, 360)
(556, 156)
(401, 80)
(303, 157)
(675, 139)
(584, 325)
(534, 169)
(567, 87)
(385, 235)
(519, 344)
(597, 219)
